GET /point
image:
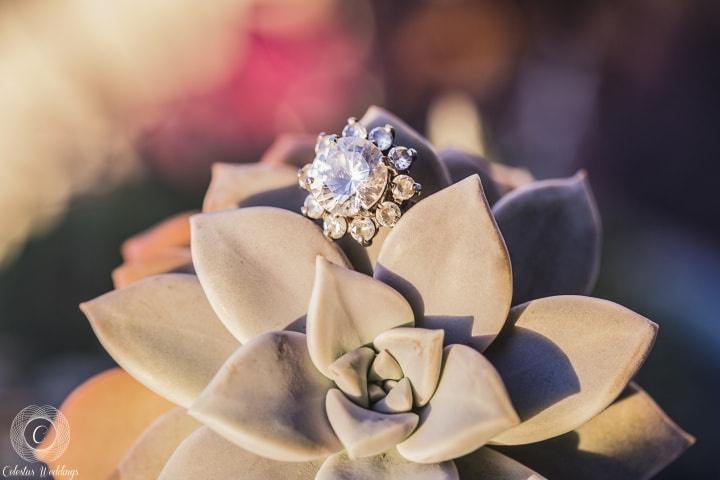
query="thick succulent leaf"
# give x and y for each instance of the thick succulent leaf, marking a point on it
(148, 455)
(386, 466)
(633, 439)
(106, 415)
(399, 399)
(164, 333)
(448, 259)
(565, 359)
(487, 463)
(363, 432)
(470, 406)
(295, 149)
(257, 265)
(269, 399)
(552, 231)
(207, 455)
(384, 367)
(255, 184)
(461, 164)
(172, 260)
(419, 353)
(161, 249)
(171, 233)
(348, 310)
(350, 374)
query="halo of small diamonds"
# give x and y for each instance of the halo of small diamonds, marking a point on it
(354, 182)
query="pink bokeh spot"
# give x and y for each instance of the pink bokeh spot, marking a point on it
(300, 82)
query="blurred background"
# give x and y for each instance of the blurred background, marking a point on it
(112, 112)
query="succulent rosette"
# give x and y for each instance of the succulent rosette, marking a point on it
(460, 345)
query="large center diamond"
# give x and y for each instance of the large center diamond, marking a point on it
(348, 175)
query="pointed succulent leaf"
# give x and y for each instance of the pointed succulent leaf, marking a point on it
(348, 310)
(386, 466)
(172, 233)
(255, 184)
(418, 351)
(363, 432)
(469, 408)
(565, 359)
(257, 265)
(223, 459)
(172, 260)
(350, 374)
(163, 332)
(552, 231)
(633, 439)
(399, 399)
(269, 399)
(461, 164)
(448, 259)
(384, 367)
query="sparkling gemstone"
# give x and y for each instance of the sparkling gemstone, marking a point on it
(349, 209)
(362, 229)
(403, 187)
(303, 175)
(312, 208)
(324, 141)
(354, 129)
(335, 226)
(387, 214)
(402, 157)
(382, 137)
(349, 176)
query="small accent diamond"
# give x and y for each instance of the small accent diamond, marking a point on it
(354, 129)
(403, 188)
(402, 157)
(311, 208)
(324, 141)
(382, 137)
(304, 175)
(334, 226)
(387, 214)
(362, 229)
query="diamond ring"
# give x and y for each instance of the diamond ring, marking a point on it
(358, 182)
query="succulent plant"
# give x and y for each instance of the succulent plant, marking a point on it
(459, 345)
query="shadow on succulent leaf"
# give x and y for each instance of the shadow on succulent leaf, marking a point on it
(290, 198)
(558, 379)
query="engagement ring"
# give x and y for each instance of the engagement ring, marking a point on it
(358, 182)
